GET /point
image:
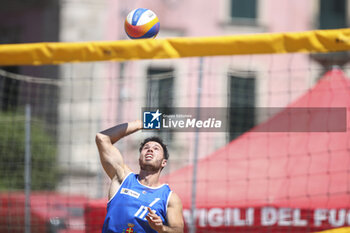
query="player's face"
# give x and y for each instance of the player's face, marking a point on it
(152, 157)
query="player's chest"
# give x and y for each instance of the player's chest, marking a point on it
(138, 201)
(141, 196)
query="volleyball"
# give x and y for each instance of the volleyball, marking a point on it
(141, 23)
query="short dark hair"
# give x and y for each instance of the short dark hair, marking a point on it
(158, 140)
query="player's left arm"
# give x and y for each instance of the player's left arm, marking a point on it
(174, 217)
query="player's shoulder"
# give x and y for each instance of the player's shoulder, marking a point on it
(174, 199)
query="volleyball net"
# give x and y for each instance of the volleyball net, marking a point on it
(278, 160)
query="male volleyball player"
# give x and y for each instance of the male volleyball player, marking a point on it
(138, 202)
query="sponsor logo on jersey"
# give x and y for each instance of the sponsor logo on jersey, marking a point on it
(130, 192)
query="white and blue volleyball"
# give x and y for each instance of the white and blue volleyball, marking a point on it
(141, 23)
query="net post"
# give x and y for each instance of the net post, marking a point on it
(27, 170)
(196, 142)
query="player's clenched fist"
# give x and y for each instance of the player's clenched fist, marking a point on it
(154, 221)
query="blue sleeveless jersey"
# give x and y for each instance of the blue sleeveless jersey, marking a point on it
(127, 209)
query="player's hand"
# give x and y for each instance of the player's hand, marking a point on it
(154, 221)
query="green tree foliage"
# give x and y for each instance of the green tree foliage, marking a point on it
(12, 150)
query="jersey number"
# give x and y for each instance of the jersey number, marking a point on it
(142, 211)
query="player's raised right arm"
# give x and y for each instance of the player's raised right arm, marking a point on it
(111, 159)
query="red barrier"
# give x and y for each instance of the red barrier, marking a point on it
(95, 212)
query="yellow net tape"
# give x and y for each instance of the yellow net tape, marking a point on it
(338, 230)
(268, 43)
